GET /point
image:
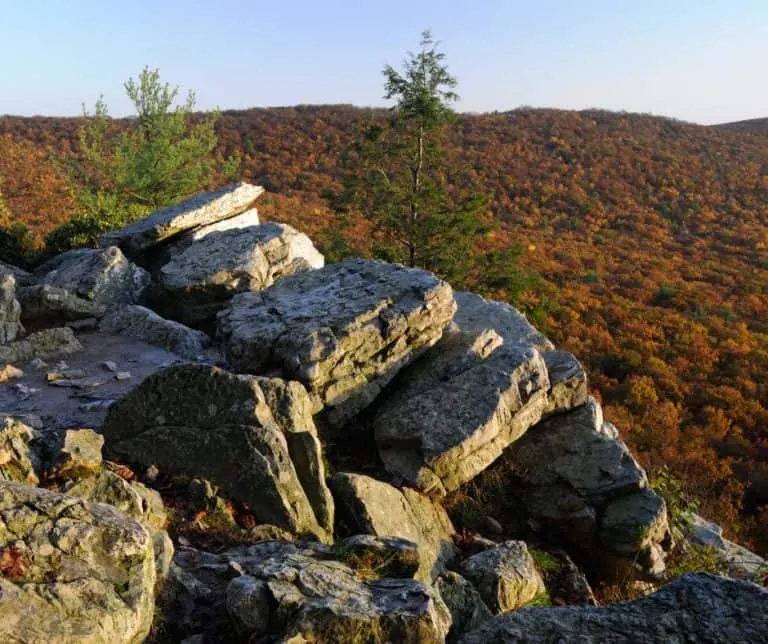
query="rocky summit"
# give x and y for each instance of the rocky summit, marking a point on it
(209, 435)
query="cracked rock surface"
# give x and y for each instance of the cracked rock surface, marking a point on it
(72, 571)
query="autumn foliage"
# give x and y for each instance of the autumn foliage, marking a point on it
(650, 237)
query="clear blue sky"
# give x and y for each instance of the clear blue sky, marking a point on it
(699, 60)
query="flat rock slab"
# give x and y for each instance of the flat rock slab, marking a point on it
(61, 408)
(457, 409)
(694, 608)
(373, 507)
(344, 331)
(200, 210)
(73, 571)
(205, 268)
(207, 422)
(300, 593)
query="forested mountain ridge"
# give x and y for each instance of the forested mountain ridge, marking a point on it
(650, 236)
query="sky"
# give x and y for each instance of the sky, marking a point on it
(698, 60)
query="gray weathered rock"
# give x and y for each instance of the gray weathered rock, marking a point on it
(740, 562)
(300, 594)
(506, 576)
(198, 211)
(458, 408)
(10, 310)
(79, 455)
(206, 268)
(468, 610)
(143, 324)
(574, 468)
(374, 507)
(567, 382)
(206, 422)
(22, 277)
(136, 501)
(83, 283)
(694, 608)
(344, 331)
(47, 344)
(75, 571)
(19, 462)
(475, 315)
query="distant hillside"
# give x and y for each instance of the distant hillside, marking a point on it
(650, 236)
(750, 125)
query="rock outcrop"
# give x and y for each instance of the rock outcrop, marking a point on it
(472, 395)
(740, 562)
(205, 268)
(10, 310)
(19, 462)
(298, 593)
(694, 608)
(344, 331)
(373, 507)
(467, 608)
(580, 480)
(80, 284)
(144, 324)
(206, 422)
(72, 571)
(196, 212)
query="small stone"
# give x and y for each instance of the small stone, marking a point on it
(45, 550)
(23, 391)
(9, 372)
(492, 526)
(110, 366)
(151, 473)
(38, 364)
(123, 375)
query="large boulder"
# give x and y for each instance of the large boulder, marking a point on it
(296, 593)
(694, 608)
(82, 283)
(141, 323)
(579, 480)
(506, 576)
(72, 571)
(198, 211)
(206, 268)
(368, 506)
(203, 421)
(490, 378)
(344, 331)
(10, 310)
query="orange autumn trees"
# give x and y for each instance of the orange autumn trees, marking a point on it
(650, 237)
(35, 192)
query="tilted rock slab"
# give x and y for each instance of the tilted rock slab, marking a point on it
(580, 479)
(207, 267)
(206, 422)
(10, 309)
(141, 323)
(505, 576)
(741, 563)
(693, 608)
(374, 507)
(298, 593)
(344, 331)
(478, 390)
(83, 283)
(72, 571)
(467, 608)
(201, 210)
